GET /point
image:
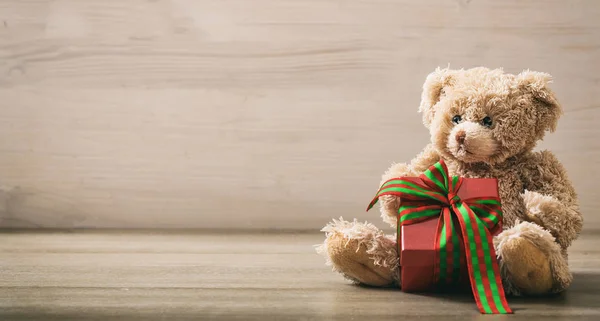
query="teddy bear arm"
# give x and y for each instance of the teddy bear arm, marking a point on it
(390, 204)
(425, 159)
(550, 198)
(417, 165)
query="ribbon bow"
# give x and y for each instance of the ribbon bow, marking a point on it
(477, 218)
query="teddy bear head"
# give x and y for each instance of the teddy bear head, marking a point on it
(483, 115)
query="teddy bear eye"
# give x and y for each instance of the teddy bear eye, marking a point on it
(456, 119)
(487, 122)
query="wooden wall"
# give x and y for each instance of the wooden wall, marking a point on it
(256, 113)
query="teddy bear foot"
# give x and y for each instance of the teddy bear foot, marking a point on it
(360, 252)
(528, 266)
(530, 260)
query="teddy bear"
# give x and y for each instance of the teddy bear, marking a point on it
(483, 123)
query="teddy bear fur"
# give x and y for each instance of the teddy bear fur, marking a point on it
(540, 206)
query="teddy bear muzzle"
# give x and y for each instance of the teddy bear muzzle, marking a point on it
(471, 142)
(460, 136)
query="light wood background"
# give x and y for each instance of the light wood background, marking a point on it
(256, 113)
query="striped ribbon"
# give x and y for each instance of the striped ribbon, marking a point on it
(476, 217)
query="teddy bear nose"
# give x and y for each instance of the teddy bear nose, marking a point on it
(460, 136)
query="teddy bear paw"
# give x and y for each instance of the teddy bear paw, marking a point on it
(528, 266)
(360, 252)
(530, 260)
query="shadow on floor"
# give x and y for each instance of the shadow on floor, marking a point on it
(583, 293)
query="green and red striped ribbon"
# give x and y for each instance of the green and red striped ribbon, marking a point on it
(475, 217)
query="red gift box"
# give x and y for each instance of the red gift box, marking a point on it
(446, 226)
(416, 242)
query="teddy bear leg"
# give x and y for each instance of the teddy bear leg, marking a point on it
(531, 262)
(360, 252)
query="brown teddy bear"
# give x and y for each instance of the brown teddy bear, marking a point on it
(483, 123)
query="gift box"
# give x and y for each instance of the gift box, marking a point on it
(445, 230)
(416, 243)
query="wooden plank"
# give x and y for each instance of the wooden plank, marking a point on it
(271, 113)
(184, 276)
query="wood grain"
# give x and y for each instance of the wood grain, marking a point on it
(256, 114)
(160, 275)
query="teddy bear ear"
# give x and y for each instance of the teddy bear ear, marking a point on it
(535, 84)
(434, 87)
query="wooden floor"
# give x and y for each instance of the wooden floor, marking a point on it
(230, 276)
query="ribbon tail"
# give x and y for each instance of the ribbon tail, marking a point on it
(484, 271)
(447, 260)
(440, 259)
